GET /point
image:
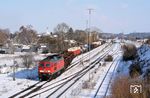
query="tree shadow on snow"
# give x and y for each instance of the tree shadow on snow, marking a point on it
(31, 74)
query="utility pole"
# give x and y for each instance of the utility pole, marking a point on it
(14, 68)
(89, 26)
(89, 34)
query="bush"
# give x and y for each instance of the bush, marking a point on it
(129, 52)
(135, 70)
(103, 42)
(109, 58)
(120, 88)
(148, 41)
(45, 51)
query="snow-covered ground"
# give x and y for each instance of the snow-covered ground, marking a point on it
(101, 75)
(86, 87)
(9, 87)
(8, 59)
(69, 72)
(24, 77)
(144, 58)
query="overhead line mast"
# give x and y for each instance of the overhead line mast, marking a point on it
(89, 26)
(89, 34)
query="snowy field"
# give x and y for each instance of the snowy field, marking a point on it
(101, 75)
(24, 77)
(94, 83)
(8, 59)
(10, 87)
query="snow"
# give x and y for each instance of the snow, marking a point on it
(8, 59)
(24, 77)
(98, 77)
(123, 67)
(72, 71)
(26, 47)
(5, 69)
(9, 87)
(144, 58)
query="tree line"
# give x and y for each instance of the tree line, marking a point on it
(57, 39)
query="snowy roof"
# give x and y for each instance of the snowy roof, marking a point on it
(26, 47)
(70, 41)
(17, 44)
(43, 46)
(74, 48)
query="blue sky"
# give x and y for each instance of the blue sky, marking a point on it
(109, 15)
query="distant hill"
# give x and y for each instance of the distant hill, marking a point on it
(139, 35)
(136, 35)
(106, 35)
(94, 29)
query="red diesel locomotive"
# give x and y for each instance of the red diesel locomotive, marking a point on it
(54, 64)
(50, 65)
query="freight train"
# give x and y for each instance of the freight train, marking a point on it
(75, 50)
(55, 64)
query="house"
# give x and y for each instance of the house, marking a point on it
(26, 48)
(42, 48)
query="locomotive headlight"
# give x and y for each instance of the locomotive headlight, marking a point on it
(41, 71)
(48, 71)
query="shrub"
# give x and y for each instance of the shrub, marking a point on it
(148, 41)
(103, 42)
(45, 51)
(129, 52)
(135, 70)
(87, 85)
(120, 88)
(109, 58)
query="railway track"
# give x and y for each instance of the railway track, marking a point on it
(104, 85)
(107, 89)
(91, 66)
(38, 87)
(85, 57)
(79, 75)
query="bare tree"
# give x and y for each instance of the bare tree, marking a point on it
(80, 36)
(4, 35)
(61, 30)
(70, 34)
(94, 36)
(26, 35)
(27, 60)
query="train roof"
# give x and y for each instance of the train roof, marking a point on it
(52, 57)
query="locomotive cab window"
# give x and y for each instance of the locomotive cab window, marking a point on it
(55, 58)
(41, 65)
(59, 57)
(47, 65)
